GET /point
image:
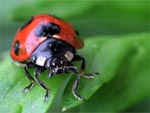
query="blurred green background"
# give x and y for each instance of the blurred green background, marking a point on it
(91, 18)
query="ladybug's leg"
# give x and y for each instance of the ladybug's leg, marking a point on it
(82, 72)
(80, 58)
(53, 71)
(76, 83)
(50, 74)
(37, 72)
(29, 87)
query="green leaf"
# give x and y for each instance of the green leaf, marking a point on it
(130, 85)
(13, 81)
(124, 62)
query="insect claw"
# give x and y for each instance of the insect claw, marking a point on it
(46, 96)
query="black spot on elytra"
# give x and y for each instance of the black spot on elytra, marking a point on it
(53, 28)
(47, 30)
(41, 30)
(27, 22)
(77, 32)
(16, 47)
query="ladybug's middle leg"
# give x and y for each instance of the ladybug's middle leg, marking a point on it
(29, 87)
(37, 72)
(83, 64)
(72, 68)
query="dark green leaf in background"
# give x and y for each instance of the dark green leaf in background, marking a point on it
(98, 17)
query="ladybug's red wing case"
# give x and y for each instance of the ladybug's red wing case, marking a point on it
(27, 40)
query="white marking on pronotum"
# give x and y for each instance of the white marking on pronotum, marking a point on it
(69, 55)
(40, 61)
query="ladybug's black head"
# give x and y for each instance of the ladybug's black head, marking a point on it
(56, 62)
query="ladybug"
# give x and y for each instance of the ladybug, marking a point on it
(46, 42)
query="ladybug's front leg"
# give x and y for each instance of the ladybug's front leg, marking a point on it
(65, 69)
(83, 64)
(53, 71)
(29, 87)
(37, 72)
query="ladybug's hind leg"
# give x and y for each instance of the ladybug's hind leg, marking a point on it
(37, 72)
(29, 87)
(83, 64)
